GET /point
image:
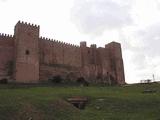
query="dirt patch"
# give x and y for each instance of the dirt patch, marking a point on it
(58, 109)
(28, 112)
(63, 105)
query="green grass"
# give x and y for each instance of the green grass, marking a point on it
(105, 103)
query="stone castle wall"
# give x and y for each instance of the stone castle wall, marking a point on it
(6, 55)
(57, 55)
(28, 58)
(56, 52)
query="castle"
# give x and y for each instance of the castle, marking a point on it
(27, 58)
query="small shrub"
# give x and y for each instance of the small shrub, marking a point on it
(56, 79)
(3, 81)
(82, 81)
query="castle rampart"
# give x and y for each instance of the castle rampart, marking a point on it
(6, 55)
(27, 58)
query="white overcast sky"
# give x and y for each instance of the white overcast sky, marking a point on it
(133, 23)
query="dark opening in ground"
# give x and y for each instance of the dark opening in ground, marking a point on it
(78, 102)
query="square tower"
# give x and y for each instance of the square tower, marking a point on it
(26, 53)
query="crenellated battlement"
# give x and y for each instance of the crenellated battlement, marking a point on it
(28, 24)
(59, 42)
(6, 35)
(6, 40)
(93, 46)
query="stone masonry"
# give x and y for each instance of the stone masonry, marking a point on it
(27, 58)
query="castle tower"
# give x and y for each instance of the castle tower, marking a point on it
(116, 61)
(83, 47)
(26, 53)
(93, 55)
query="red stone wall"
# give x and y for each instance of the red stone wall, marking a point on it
(55, 52)
(6, 55)
(103, 64)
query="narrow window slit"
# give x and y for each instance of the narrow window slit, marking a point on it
(27, 52)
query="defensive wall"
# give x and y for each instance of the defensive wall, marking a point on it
(26, 57)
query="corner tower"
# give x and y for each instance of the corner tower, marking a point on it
(26, 53)
(116, 62)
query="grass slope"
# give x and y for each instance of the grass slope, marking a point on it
(105, 103)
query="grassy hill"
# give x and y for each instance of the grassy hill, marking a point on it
(105, 103)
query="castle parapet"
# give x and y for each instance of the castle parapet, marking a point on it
(28, 24)
(6, 35)
(83, 44)
(6, 40)
(115, 49)
(54, 41)
(93, 46)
